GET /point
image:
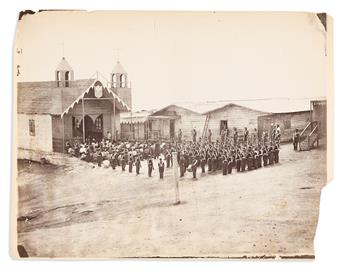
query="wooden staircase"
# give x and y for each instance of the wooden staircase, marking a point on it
(204, 131)
(309, 136)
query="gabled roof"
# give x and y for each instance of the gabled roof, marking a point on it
(179, 105)
(119, 102)
(45, 97)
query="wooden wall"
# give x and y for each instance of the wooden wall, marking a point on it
(92, 107)
(95, 107)
(186, 122)
(236, 116)
(319, 114)
(288, 122)
(42, 140)
(138, 131)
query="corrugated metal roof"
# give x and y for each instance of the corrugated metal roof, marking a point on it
(279, 105)
(138, 116)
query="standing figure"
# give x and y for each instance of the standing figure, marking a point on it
(265, 138)
(235, 136)
(180, 136)
(182, 165)
(209, 164)
(209, 136)
(157, 150)
(214, 163)
(259, 158)
(277, 138)
(168, 159)
(270, 156)
(150, 166)
(130, 165)
(161, 168)
(230, 163)
(194, 167)
(194, 135)
(295, 139)
(276, 153)
(113, 161)
(243, 162)
(203, 164)
(238, 162)
(99, 159)
(249, 160)
(123, 163)
(137, 166)
(265, 156)
(246, 133)
(225, 166)
(255, 138)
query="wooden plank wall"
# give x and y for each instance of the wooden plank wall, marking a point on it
(236, 116)
(297, 120)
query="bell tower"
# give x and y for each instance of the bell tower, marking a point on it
(120, 84)
(64, 74)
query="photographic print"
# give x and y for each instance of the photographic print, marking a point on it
(170, 134)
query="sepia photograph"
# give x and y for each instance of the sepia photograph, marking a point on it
(170, 134)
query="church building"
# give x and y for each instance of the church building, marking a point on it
(50, 113)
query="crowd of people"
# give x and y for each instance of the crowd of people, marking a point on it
(228, 153)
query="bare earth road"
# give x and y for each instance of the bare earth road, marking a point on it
(77, 210)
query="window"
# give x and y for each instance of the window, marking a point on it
(287, 124)
(113, 80)
(67, 78)
(58, 78)
(76, 124)
(123, 80)
(99, 123)
(32, 127)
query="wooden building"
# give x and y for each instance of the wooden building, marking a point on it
(209, 115)
(177, 117)
(287, 121)
(144, 125)
(319, 114)
(255, 115)
(53, 112)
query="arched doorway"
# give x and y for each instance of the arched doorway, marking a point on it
(88, 127)
(92, 129)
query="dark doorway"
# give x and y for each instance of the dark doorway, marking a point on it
(223, 125)
(92, 129)
(172, 129)
(88, 127)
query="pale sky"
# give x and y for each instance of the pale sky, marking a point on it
(177, 57)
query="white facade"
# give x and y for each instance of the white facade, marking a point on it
(41, 138)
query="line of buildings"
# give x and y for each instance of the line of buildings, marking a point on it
(255, 115)
(67, 109)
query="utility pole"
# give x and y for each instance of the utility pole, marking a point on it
(176, 179)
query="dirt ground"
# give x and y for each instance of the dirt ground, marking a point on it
(79, 210)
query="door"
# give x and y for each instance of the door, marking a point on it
(223, 125)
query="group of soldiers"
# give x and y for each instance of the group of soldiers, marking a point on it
(223, 155)
(226, 154)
